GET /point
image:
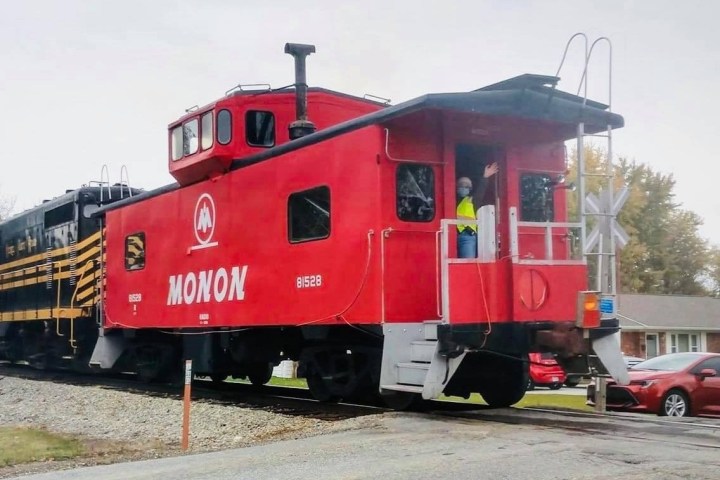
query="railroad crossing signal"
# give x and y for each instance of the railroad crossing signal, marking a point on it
(598, 206)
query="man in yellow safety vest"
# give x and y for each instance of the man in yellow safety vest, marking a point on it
(467, 205)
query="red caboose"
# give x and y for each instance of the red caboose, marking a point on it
(317, 226)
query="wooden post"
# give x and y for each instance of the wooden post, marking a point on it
(186, 405)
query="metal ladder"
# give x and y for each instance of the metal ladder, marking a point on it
(104, 183)
(604, 210)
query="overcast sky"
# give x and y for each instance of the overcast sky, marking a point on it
(87, 83)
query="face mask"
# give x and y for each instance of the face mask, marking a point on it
(463, 191)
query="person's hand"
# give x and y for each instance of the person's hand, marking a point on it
(490, 170)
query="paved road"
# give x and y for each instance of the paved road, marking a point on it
(487, 444)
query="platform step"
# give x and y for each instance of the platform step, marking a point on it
(422, 350)
(431, 329)
(410, 373)
(403, 388)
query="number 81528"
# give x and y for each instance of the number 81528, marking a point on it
(308, 281)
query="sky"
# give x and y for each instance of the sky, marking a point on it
(90, 83)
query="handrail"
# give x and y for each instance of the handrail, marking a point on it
(107, 172)
(546, 226)
(127, 183)
(72, 341)
(445, 256)
(57, 308)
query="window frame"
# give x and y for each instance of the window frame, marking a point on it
(290, 216)
(229, 127)
(397, 191)
(208, 114)
(673, 342)
(173, 145)
(274, 130)
(707, 363)
(535, 173)
(129, 268)
(197, 134)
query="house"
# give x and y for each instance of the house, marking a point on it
(653, 325)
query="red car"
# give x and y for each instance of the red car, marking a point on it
(545, 372)
(676, 384)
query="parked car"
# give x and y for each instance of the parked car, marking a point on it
(632, 361)
(545, 371)
(676, 384)
(573, 380)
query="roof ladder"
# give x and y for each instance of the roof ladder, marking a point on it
(598, 213)
(126, 183)
(605, 276)
(104, 182)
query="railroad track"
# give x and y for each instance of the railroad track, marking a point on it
(282, 400)
(298, 402)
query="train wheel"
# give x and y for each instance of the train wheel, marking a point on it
(508, 388)
(320, 389)
(154, 363)
(260, 374)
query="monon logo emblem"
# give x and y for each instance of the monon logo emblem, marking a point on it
(204, 221)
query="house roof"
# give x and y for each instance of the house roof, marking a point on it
(668, 312)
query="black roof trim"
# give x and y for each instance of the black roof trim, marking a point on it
(551, 105)
(541, 84)
(136, 198)
(525, 96)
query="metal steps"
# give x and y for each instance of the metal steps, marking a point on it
(414, 358)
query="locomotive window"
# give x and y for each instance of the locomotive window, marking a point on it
(176, 143)
(135, 251)
(58, 215)
(190, 137)
(224, 127)
(260, 128)
(206, 131)
(309, 215)
(415, 186)
(537, 194)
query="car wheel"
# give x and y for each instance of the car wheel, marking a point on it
(556, 386)
(675, 403)
(530, 385)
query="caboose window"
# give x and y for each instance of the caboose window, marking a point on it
(206, 131)
(260, 128)
(537, 194)
(176, 143)
(135, 251)
(415, 186)
(309, 215)
(224, 127)
(190, 137)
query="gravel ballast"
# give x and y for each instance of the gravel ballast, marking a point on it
(136, 425)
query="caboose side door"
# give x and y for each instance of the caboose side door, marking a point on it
(411, 212)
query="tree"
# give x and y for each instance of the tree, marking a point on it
(714, 271)
(665, 253)
(6, 207)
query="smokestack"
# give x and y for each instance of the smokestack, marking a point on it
(301, 126)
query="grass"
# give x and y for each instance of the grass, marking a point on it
(537, 400)
(23, 445)
(288, 382)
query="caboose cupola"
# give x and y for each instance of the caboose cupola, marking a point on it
(249, 121)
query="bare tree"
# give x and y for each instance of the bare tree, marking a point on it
(7, 204)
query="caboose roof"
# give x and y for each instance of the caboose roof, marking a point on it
(528, 96)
